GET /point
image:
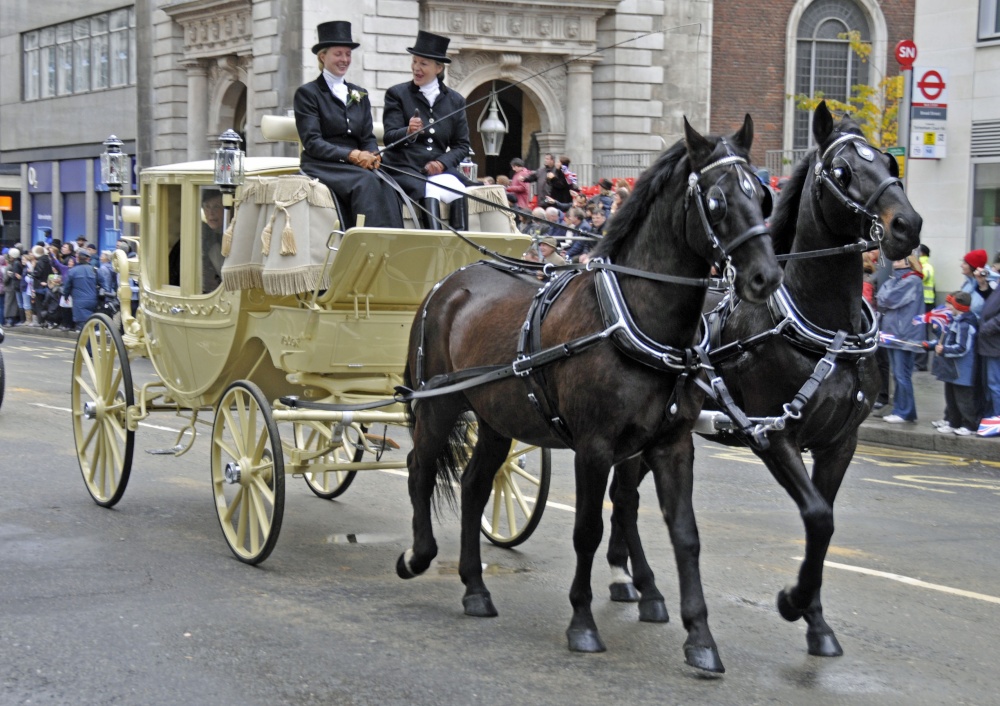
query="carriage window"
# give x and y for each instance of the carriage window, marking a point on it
(211, 239)
(168, 231)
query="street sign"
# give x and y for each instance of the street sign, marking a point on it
(900, 154)
(929, 113)
(906, 54)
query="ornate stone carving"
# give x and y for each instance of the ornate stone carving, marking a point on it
(214, 27)
(487, 21)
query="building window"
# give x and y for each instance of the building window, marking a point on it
(989, 19)
(90, 54)
(825, 63)
(986, 207)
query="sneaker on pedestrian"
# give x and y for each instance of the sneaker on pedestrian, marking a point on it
(938, 423)
(895, 419)
(962, 431)
(945, 429)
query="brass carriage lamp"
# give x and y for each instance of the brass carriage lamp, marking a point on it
(469, 169)
(114, 168)
(492, 126)
(228, 169)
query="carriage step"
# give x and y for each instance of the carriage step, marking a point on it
(172, 451)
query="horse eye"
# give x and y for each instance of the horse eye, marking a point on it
(841, 172)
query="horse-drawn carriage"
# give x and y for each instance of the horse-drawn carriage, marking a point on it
(319, 314)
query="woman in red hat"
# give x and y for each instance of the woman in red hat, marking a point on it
(334, 120)
(976, 279)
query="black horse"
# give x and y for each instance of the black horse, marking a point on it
(816, 380)
(623, 380)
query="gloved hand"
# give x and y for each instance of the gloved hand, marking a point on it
(364, 159)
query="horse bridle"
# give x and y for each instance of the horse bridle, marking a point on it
(824, 177)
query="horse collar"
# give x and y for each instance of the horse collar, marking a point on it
(805, 334)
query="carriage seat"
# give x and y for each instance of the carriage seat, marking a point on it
(482, 217)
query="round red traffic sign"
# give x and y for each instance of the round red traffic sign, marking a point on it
(906, 54)
(931, 85)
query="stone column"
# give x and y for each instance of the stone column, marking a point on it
(197, 110)
(580, 117)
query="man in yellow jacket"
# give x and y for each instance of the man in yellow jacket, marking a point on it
(929, 301)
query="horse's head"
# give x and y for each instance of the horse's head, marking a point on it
(726, 206)
(858, 190)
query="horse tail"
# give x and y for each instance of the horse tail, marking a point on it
(452, 458)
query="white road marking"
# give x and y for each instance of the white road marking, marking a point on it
(910, 581)
(142, 424)
(909, 485)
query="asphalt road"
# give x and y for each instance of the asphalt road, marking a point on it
(144, 604)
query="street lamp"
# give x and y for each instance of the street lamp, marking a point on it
(114, 166)
(492, 126)
(228, 169)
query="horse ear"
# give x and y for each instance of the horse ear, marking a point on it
(744, 138)
(822, 123)
(699, 149)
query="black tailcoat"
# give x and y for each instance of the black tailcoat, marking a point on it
(443, 139)
(329, 131)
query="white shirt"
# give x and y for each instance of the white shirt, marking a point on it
(337, 85)
(431, 91)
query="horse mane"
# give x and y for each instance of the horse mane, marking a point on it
(636, 210)
(786, 212)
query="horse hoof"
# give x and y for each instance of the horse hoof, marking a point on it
(653, 611)
(788, 611)
(624, 593)
(704, 658)
(403, 567)
(584, 640)
(823, 644)
(479, 605)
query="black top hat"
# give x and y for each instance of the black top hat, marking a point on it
(334, 34)
(431, 46)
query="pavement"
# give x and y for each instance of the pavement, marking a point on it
(917, 436)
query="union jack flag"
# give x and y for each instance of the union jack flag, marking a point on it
(888, 339)
(990, 426)
(939, 317)
(570, 176)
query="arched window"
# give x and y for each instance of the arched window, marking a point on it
(823, 61)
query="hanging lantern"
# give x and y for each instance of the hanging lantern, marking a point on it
(492, 126)
(114, 165)
(229, 162)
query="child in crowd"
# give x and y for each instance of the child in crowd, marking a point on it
(954, 364)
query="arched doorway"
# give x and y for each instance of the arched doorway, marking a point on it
(233, 111)
(522, 121)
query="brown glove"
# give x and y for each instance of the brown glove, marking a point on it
(364, 159)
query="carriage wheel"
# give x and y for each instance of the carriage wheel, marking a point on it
(328, 484)
(248, 472)
(101, 392)
(520, 489)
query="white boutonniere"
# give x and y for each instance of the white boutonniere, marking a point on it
(355, 96)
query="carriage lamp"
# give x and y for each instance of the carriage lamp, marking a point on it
(470, 170)
(114, 168)
(492, 126)
(228, 169)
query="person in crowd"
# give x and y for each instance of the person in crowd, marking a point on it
(955, 366)
(538, 224)
(552, 215)
(107, 278)
(548, 251)
(561, 181)
(11, 288)
(869, 286)
(81, 284)
(518, 183)
(900, 299)
(334, 122)
(66, 251)
(576, 218)
(432, 154)
(604, 197)
(929, 300)
(540, 177)
(618, 199)
(211, 240)
(976, 279)
(988, 348)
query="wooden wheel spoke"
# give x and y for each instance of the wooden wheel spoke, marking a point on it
(509, 506)
(263, 488)
(233, 505)
(110, 445)
(258, 497)
(88, 391)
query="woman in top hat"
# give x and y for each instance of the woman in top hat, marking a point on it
(334, 120)
(433, 116)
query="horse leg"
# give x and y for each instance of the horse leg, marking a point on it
(624, 542)
(814, 498)
(673, 470)
(477, 481)
(432, 426)
(592, 469)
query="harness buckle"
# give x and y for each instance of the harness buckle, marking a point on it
(790, 413)
(518, 371)
(829, 364)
